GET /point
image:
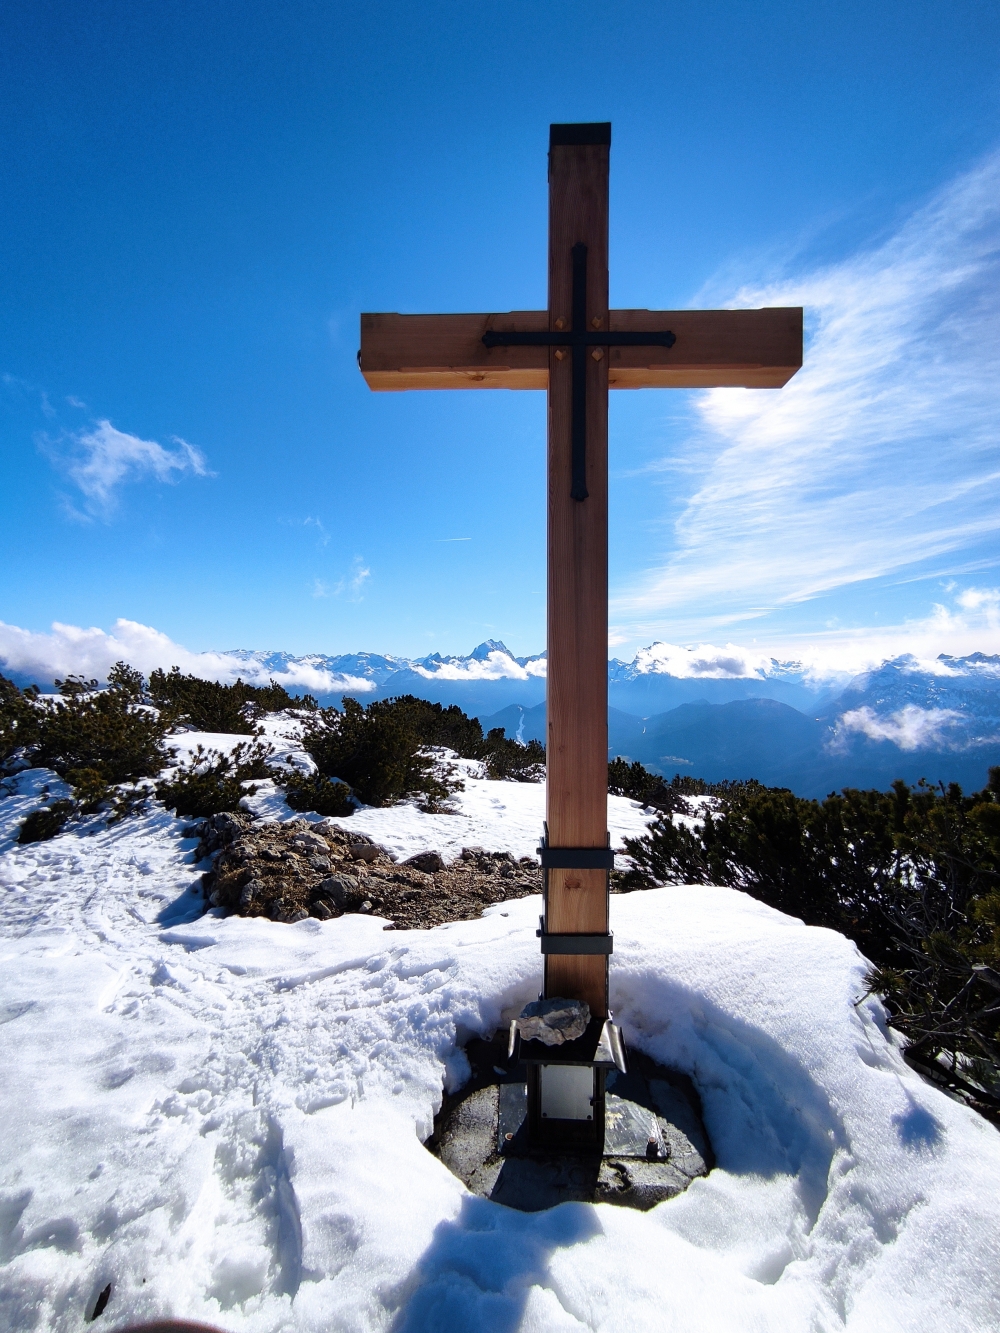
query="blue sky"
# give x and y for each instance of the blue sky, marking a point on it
(199, 201)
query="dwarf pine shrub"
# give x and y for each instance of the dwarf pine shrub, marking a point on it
(510, 760)
(208, 706)
(210, 782)
(450, 727)
(18, 720)
(912, 875)
(317, 794)
(379, 751)
(46, 822)
(639, 784)
(102, 732)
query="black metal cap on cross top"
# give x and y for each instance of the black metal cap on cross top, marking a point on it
(573, 135)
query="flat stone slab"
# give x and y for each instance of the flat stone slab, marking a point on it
(480, 1135)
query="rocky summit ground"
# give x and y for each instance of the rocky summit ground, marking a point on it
(289, 871)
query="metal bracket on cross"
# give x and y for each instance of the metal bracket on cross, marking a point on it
(578, 338)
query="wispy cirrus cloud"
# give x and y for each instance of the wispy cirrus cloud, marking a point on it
(882, 452)
(100, 460)
(350, 585)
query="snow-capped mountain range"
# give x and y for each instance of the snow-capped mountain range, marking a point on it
(723, 713)
(716, 712)
(491, 676)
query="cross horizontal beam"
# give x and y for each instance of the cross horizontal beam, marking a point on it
(752, 349)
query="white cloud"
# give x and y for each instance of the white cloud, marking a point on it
(70, 649)
(359, 577)
(969, 624)
(495, 666)
(882, 452)
(703, 660)
(911, 728)
(351, 584)
(101, 460)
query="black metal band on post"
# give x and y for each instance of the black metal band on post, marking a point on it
(577, 858)
(576, 944)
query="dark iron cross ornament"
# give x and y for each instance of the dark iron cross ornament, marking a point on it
(578, 338)
(577, 350)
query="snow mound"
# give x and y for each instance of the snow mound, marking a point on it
(223, 1117)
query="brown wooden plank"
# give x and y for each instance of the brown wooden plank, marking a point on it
(752, 349)
(447, 352)
(755, 349)
(577, 678)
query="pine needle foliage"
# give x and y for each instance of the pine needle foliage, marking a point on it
(511, 761)
(88, 736)
(911, 874)
(18, 720)
(319, 794)
(379, 751)
(209, 782)
(639, 784)
(208, 706)
(46, 822)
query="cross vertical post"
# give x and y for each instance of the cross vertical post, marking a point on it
(577, 672)
(577, 350)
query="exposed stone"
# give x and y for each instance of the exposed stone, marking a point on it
(344, 891)
(262, 869)
(363, 851)
(428, 862)
(310, 842)
(250, 894)
(553, 1021)
(320, 909)
(228, 823)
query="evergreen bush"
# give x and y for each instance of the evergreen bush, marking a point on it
(210, 782)
(510, 760)
(208, 706)
(102, 732)
(912, 875)
(47, 822)
(317, 794)
(639, 784)
(379, 751)
(18, 720)
(92, 738)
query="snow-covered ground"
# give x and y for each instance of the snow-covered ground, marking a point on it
(223, 1117)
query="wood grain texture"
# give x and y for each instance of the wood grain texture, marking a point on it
(755, 349)
(577, 678)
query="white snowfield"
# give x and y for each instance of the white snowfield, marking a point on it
(222, 1118)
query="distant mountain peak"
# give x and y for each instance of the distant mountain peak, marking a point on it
(482, 651)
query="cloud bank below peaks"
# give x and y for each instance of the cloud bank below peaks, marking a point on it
(70, 650)
(490, 661)
(881, 453)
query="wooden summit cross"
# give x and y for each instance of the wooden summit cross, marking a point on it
(577, 350)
